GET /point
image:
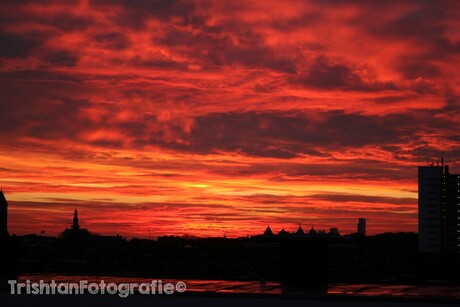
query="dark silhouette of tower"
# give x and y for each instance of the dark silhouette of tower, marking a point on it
(362, 226)
(3, 216)
(75, 232)
(75, 225)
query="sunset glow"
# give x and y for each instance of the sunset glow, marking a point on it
(208, 118)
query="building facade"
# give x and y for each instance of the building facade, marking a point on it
(438, 209)
(450, 211)
(3, 216)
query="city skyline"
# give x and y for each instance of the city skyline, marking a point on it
(76, 229)
(209, 118)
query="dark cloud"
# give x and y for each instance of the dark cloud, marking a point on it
(258, 56)
(218, 48)
(323, 74)
(358, 169)
(134, 14)
(280, 135)
(160, 62)
(62, 58)
(306, 19)
(255, 132)
(67, 22)
(43, 119)
(286, 135)
(17, 45)
(23, 2)
(341, 198)
(426, 26)
(424, 22)
(41, 75)
(112, 40)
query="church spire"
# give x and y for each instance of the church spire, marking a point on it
(75, 225)
(300, 231)
(268, 231)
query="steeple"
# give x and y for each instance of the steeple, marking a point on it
(300, 231)
(3, 216)
(75, 232)
(283, 232)
(268, 232)
(75, 225)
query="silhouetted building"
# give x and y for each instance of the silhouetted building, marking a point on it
(450, 211)
(300, 231)
(362, 226)
(9, 248)
(75, 232)
(438, 209)
(283, 233)
(312, 231)
(334, 231)
(3, 216)
(75, 225)
(429, 208)
(268, 232)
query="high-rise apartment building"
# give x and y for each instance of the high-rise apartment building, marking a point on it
(438, 209)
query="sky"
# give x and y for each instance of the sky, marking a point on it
(212, 118)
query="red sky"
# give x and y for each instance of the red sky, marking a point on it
(220, 117)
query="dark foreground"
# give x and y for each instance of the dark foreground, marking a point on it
(221, 300)
(242, 293)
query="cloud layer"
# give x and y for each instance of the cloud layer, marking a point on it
(212, 117)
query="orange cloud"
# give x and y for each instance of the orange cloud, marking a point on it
(211, 117)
